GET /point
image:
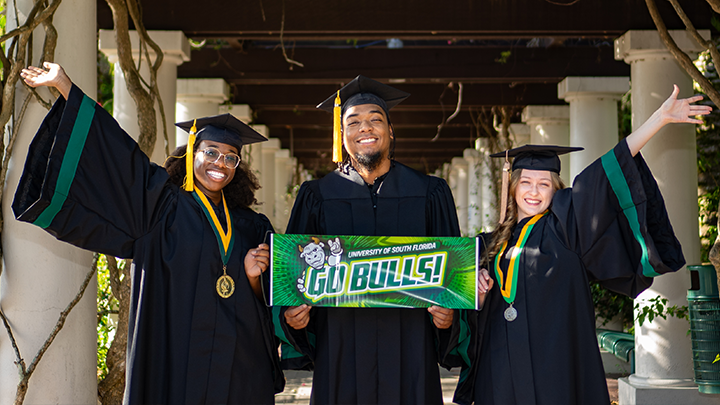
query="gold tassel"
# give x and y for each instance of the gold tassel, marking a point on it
(189, 160)
(505, 186)
(337, 134)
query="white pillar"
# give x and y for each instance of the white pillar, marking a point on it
(520, 134)
(460, 191)
(474, 192)
(550, 125)
(253, 154)
(663, 366)
(41, 275)
(593, 116)
(176, 50)
(283, 175)
(243, 112)
(268, 177)
(488, 206)
(197, 98)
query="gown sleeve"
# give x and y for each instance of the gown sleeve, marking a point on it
(86, 182)
(615, 219)
(297, 346)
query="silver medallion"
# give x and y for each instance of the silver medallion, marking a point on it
(510, 313)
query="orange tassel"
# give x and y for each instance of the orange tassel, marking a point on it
(337, 133)
(504, 190)
(189, 160)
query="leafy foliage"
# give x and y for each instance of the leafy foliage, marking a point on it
(107, 306)
(708, 158)
(609, 304)
(658, 308)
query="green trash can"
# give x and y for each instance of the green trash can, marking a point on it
(704, 313)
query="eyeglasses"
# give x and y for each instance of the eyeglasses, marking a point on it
(213, 155)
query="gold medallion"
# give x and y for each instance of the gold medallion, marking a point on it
(225, 286)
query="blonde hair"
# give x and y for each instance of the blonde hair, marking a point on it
(504, 231)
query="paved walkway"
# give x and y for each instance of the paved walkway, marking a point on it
(299, 384)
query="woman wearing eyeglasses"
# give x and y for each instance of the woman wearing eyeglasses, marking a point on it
(199, 329)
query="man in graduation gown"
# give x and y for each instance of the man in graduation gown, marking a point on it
(87, 182)
(369, 355)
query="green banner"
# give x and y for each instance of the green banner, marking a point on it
(373, 271)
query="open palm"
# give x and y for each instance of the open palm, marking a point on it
(682, 110)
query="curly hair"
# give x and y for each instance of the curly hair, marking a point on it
(504, 231)
(240, 192)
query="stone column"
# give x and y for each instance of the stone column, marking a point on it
(520, 133)
(550, 125)
(474, 192)
(283, 175)
(268, 176)
(40, 275)
(593, 116)
(197, 98)
(459, 170)
(663, 366)
(488, 205)
(176, 50)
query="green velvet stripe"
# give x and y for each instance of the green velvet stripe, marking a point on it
(287, 350)
(615, 175)
(70, 162)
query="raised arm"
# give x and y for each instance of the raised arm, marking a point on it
(673, 110)
(52, 76)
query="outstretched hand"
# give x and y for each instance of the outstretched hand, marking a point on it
(675, 110)
(672, 111)
(52, 76)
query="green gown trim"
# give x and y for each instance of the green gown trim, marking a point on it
(75, 146)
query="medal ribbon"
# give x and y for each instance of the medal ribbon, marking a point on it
(509, 288)
(225, 240)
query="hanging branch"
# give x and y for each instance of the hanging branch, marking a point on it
(282, 44)
(682, 58)
(145, 40)
(454, 114)
(143, 100)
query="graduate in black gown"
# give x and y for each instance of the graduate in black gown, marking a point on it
(199, 330)
(369, 355)
(533, 342)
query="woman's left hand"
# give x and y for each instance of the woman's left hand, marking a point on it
(675, 110)
(442, 317)
(257, 260)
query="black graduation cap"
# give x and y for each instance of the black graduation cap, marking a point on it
(223, 128)
(360, 90)
(537, 157)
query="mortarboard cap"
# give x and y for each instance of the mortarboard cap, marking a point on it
(223, 128)
(360, 90)
(537, 157)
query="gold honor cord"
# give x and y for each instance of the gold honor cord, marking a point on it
(225, 285)
(508, 289)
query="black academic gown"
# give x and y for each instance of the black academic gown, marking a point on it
(611, 226)
(370, 355)
(87, 183)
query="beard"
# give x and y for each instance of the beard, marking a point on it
(369, 162)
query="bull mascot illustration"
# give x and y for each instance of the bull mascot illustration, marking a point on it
(315, 257)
